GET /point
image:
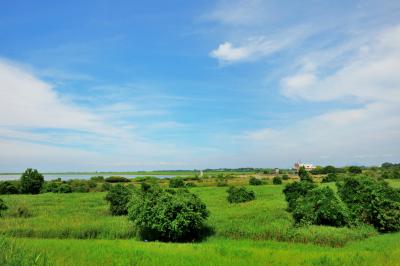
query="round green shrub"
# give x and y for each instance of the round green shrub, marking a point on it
(7, 187)
(65, 188)
(255, 181)
(51, 187)
(31, 181)
(320, 206)
(118, 196)
(176, 182)
(277, 180)
(168, 215)
(354, 170)
(240, 194)
(285, 177)
(190, 184)
(295, 190)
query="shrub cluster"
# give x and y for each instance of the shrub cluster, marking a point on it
(8, 187)
(320, 206)
(285, 177)
(118, 196)
(240, 194)
(168, 215)
(296, 190)
(176, 182)
(255, 181)
(371, 202)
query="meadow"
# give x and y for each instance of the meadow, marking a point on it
(77, 229)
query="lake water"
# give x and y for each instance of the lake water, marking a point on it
(75, 176)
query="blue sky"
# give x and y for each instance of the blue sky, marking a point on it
(128, 85)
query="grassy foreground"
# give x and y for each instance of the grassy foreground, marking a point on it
(77, 229)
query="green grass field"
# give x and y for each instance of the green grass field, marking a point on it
(76, 229)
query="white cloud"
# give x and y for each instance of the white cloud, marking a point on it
(257, 47)
(371, 74)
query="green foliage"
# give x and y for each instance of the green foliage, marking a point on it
(176, 182)
(304, 175)
(255, 181)
(51, 186)
(168, 215)
(190, 184)
(116, 179)
(296, 190)
(372, 202)
(7, 187)
(118, 197)
(285, 177)
(31, 181)
(99, 178)
(320, 206)
(354, 170)
(3, 207)
(331, 177)
(277, 180)
(240, 194)
(105, 186)
(64, 188)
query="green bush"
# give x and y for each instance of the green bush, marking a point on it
(354, 170)
(118, 197)
(116, 179)
(255, 181)
(240, 194)
(296, 190)
(31, 181)
(277, 180)
(304, 175)
(222, 183)
(320, 206)
(97, 178)
(3, 207)
(105, 186)
(7, 187)
(168, 215)
(64, 188)
(285, 177)
(51, 187)
(371, 202)
(176, 182)
(331, 177)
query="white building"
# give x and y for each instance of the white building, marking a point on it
(307, 166)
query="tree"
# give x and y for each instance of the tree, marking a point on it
(304, 175)
(240, 194)
(118, 197)
(168, 215)
(331, 177)
(320, 206)
(31, 181)
(329, 169)
(3, 207)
